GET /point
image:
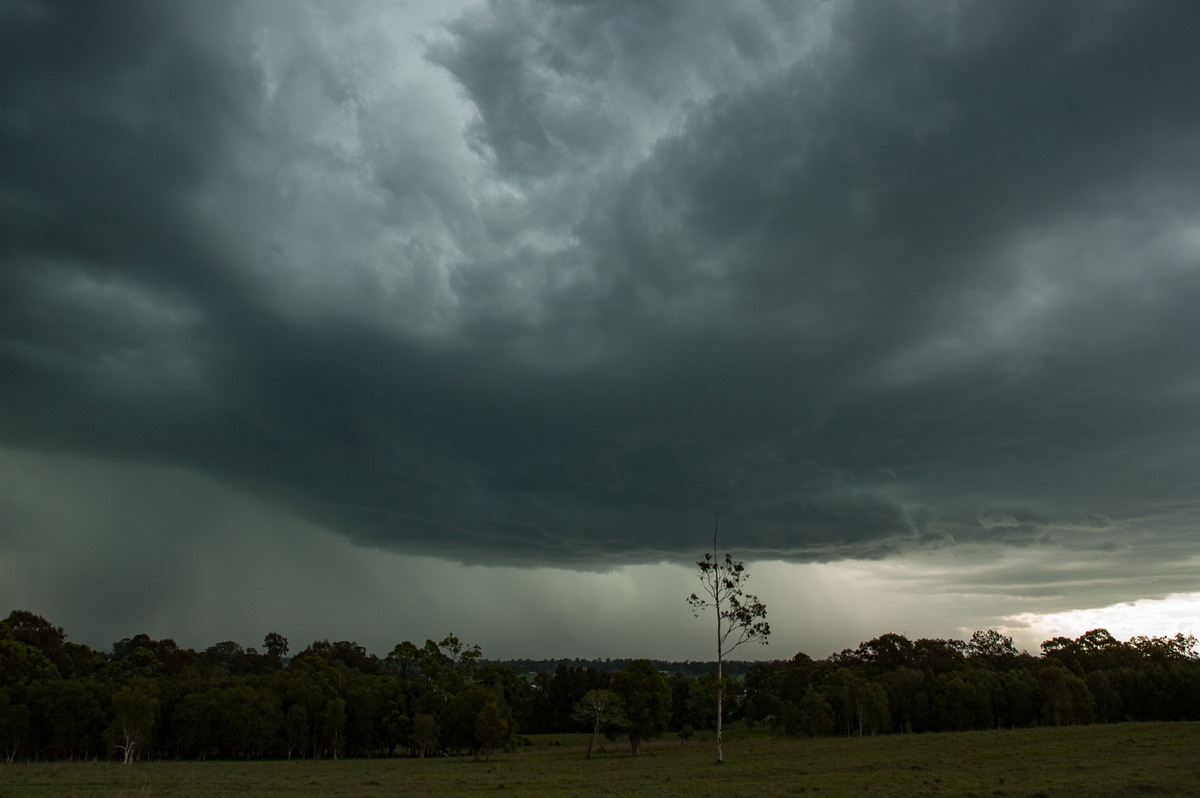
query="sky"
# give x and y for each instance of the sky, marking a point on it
(385, 321)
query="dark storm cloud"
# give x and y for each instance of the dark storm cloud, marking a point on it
(859, 277)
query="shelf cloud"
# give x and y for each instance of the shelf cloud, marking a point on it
(555, 284)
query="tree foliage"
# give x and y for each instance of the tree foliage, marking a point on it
(740, 616)
(149, 698)
(598, 709)
(645, 701)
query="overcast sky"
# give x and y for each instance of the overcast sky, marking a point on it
(380, 321)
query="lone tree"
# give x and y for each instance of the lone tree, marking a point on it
(740, 616)
(598, 708)
(645, 701)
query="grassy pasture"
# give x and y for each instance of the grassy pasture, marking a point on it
(1119, 760)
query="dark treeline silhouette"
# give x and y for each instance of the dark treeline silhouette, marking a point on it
(664, 666)
(149, 698)
(893, 684)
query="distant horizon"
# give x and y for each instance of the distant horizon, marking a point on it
(742, 656)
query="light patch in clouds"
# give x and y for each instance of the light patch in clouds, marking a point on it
(823, 608)
(951, 593)
(1163, 617)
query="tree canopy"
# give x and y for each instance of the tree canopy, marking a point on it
(152, 698)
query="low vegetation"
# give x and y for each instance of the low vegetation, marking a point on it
(1113, 760)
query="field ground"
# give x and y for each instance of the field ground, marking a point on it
(1117, 760)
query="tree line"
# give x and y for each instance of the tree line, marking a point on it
(687, 667)
(893, 684)
(152, 699)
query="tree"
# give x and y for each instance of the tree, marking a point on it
(993, 648)
(863, 705)
(493, 725)
(313, 719)
(276, 646)
(349, 653)
(701, 701)
(476, 719)
(195, 720)
(21, 663)
(424, 734)
(815, 717)
(740, 616)
(462, 658)
(1065, 696)
(227, 655)
(598, 708)
(71, 716)
(334, 721)
(36, 631)
(645, 701)
(1179, 648)
(135, 708)
(14, 725)
(404, 659)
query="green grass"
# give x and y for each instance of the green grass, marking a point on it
(1120, 760)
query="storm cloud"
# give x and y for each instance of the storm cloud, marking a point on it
(543, 283)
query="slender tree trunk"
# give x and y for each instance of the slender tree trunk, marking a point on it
(722, 580)
(720, 654)
(720, 697)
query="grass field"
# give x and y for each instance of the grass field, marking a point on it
(1119, 760)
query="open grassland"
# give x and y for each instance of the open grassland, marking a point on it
(1119, 760)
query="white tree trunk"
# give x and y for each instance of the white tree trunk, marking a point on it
(720, 697)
